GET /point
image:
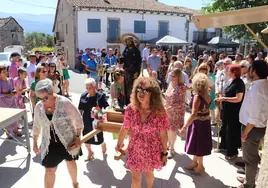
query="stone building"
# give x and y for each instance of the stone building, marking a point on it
(11, 33)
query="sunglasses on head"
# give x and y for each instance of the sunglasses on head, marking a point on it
(203, 69)
(143, 91)
(44, 99)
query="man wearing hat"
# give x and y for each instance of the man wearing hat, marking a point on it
(13, 69)
(132, 66)
(31, 68)
(238, 58)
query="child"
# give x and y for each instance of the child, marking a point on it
(117, 89)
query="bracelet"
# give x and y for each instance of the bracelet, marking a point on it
(164, 154)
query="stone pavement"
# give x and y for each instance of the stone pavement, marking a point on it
(20, 170)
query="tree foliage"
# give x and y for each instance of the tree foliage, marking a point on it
(239, 31)
(37, 39)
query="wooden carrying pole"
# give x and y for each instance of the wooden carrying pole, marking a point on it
(256, 37)
(113, 125)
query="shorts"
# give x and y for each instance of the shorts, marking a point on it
(101, 77)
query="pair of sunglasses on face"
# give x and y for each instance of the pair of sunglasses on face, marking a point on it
(143, 91)
(44, 99)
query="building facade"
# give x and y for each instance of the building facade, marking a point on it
(96, 24)
(11, 33)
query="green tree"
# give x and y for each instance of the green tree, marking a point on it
(239, 31)
(37, 39)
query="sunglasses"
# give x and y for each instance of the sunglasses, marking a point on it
(173, 76)
(53, 66)
(44, 71)
(203, 69)
(44, 99)
(242, 66)
(143, 91)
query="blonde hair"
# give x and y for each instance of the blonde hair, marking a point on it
(200, 83)
(203, 66)
(178, 73)
(156, 100)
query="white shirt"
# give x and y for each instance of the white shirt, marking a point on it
(222, 81)
(145, 54)
(30, 69)
(254, 109)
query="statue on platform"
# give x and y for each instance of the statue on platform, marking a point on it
(132, 66)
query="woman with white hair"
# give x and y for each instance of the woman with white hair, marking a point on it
(89, 99)
(60, 124)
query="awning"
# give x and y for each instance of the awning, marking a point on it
(231, 18)
(169, 40)
(219, 42)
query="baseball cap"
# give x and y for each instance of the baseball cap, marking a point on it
(92, 53)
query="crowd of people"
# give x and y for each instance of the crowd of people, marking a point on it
(215, 89)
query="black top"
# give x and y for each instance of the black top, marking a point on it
(87, 103)
(237, 86)
(132, 60)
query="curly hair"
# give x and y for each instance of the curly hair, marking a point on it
(200, 83)
(203, 67)
(156, 100)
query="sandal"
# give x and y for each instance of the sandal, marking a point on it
(90, 158)
(198, 171)
(18, 134)
(192, 166)
(171, 154)
(231, 158)
(76, 185)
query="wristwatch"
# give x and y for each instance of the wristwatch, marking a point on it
(164, 154)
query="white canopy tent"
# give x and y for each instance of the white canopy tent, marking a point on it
(169, 40)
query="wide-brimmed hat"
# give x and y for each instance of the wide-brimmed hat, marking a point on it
(32, 54)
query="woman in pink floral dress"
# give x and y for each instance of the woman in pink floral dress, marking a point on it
(175, 106)
(146, 120)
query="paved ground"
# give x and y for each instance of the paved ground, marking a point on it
(20, 170)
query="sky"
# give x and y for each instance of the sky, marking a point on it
(49, 6)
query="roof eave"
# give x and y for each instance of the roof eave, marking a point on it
(130, 9)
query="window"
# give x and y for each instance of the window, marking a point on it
(139, 26)
(93, 25)
(66, 28)
(163, 28)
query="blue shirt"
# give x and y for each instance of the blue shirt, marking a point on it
(110, 60)
(85, 57)
(92, 65)
(154, 62)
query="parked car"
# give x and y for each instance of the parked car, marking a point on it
(5, 59)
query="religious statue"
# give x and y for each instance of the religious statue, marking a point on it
(132, 66)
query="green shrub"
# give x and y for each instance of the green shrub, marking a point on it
(43, 49)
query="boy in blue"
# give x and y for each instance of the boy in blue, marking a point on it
(91, 67)
(110, 59)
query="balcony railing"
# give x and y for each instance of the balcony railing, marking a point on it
(203, 37)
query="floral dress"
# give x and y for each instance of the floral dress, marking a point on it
(144, 150)
(175, 97)
(21, 84)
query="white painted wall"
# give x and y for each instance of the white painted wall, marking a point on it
(98, 40)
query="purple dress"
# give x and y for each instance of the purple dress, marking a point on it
(7, 101)
(198, 137)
